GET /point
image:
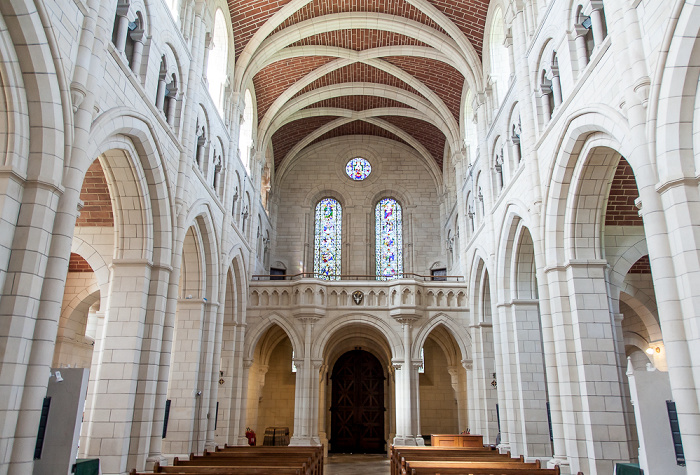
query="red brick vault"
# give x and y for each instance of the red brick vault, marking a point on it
(397, 69)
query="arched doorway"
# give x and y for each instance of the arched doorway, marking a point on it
(357, 404)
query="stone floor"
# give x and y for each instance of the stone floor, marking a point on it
(356, 464)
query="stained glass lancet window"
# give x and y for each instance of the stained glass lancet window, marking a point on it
(388, 238)
(329, 216)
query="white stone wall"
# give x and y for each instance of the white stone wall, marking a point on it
(319, 172)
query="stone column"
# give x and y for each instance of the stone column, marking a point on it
(556, 87)
(185, 391)
(306, 392)
(531, 398)
(545, 91)
(243, 407)
(597, 23)
(593, 423)
(406, 425)
(112, 393)
(581, 48)
(122, 26)
(172, 105)
(137, 55)
(322, 411)
(457, 378)
(160, 93)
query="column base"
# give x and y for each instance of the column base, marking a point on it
(503, 448)
(241, 441)
(151, 461)
(561, 462)
(409, 440)
(304, 441)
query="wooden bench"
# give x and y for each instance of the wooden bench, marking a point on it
(272, 452)
(398, 453)
(406, 465)
(430, 468)
(249, 461)
(227, 470)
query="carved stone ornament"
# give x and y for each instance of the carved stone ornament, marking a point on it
(357, 297)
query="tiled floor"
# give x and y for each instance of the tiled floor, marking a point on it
(356, 464)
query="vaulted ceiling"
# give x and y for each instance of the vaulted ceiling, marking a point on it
(328, 68)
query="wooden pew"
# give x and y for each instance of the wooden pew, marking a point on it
(249, 461)
(444, 453)
(229, 470)
(475, 468)
(270, 452)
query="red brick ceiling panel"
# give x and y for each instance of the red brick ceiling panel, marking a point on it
(247, 16)
(442, 78)
(357, 72)
(390, 7)
(358, 103)
(469, 16)
(359, 39)
(642, 266)
(287, 136)
(275, 78)
(358, 127)
(97, 208)
(78, 264)
(426, 133)
(621, 210)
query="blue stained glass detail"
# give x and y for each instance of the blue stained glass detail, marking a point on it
(388, 238)
(358, 169)
(328, 238)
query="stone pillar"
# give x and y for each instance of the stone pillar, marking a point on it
(556, 87)
(545, 91)
(322, 411)
(160, 93)
(185, 391)
(306, 392)
(581, 48)
(172, 104)
(243, 407)
(208, 46)
(406, 405)
(457, 378)
(482, 409)
(122, 26)
(531, 398)
(593, 423)
(597, 22)
(112, 392)
(137, 55)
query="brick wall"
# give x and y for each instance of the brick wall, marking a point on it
(78, 264)
(621, 210)
(97, 209)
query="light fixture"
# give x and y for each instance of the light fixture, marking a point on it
(650, 351)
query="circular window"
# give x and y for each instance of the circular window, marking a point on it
(358, 169)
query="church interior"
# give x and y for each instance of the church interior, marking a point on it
(352, 224)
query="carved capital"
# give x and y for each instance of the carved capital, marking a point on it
(468, 364)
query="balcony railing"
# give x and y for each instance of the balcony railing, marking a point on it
(356, 277)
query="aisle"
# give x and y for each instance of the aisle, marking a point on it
(357, 464)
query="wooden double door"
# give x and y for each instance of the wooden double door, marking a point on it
(357, 404)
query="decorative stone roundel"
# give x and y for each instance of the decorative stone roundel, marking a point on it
(358, 169)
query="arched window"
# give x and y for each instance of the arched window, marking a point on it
(218, 60)
(388, 239)
(245, 139)
(500, 65)
(328, 239)
(471, 140)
